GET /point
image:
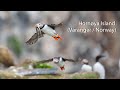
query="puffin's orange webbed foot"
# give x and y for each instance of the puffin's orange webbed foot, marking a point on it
(57, 37)
(62, 68)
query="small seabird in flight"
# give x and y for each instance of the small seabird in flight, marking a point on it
(42, 29)
(59, 61)
(86, 67)
(99, 68)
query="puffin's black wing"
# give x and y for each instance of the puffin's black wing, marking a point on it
(40, 34)
(53, 26)
(34, 38)
(70, 60)
(44, 61)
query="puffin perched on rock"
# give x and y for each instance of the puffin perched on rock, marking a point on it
(42, 29)
(86, 67)
(99, 68)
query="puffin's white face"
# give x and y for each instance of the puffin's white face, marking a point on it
(61, 62)
(61, 59)
(39, 25)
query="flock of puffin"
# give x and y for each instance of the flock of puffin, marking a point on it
(42, 29)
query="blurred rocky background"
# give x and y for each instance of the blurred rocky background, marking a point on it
(16, 27)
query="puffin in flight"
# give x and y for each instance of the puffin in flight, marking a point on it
(42, 29)
(59, 61)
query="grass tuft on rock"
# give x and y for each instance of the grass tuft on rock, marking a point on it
(86, 75)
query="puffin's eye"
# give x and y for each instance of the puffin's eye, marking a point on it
(37, 28)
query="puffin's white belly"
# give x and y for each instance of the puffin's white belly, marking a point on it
(49, 31)
(86, 68)
(98, 67)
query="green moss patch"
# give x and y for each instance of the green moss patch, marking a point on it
(42, 65)
(15, 44)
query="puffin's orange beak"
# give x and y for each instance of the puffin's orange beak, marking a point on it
(57, 37)
(62, 68)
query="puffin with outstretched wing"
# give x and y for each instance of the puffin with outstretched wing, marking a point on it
(59, 61)
(42, 29)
